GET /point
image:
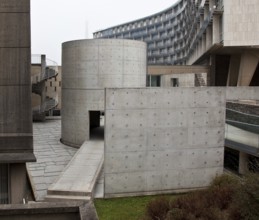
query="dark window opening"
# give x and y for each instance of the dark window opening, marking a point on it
(96, 123)
(174, 82)
(4, 183)
(153, 81)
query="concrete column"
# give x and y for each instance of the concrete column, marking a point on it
(216, 29)
(206, 11)
(211, 3)
(248, 64)
(208, 37)
(243, 163)
(43, 64)
(16, 143)
(203, 43)
(211, 81)
(233, 70)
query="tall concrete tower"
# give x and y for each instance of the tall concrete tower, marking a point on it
(16, 142)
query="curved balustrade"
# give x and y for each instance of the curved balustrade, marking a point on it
(245, 121)
(242, 131)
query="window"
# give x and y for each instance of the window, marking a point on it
(4, 191)
(50, 83)
(174, 82)
(153, 81)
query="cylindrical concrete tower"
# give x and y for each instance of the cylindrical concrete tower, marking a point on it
(90, 66)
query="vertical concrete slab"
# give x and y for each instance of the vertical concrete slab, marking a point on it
(248, 64)
(162, 140)
(15, 86)
(241, 26)
(233, 70)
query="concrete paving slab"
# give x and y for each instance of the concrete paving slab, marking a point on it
(52, 156)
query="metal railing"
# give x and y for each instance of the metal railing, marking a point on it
(48, 104)
(50, 70)
(241, 136)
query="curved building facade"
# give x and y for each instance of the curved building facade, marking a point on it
(220, 33)
(172, 34)
(88, 67)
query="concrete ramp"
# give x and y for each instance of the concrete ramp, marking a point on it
(78, 179)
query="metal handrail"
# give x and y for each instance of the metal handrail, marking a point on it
(43, 107)
(252, 115)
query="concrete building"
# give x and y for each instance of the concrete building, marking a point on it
(156, 140)
(16, 141)
(218, 33)
(88, 67)
(44, 100)
(186, 76)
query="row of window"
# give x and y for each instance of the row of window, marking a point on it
(152, 20)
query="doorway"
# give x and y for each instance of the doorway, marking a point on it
(96, 125)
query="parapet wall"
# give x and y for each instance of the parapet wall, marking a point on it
(162, 140)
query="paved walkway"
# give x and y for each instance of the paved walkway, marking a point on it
(52, 156)
(78, 179)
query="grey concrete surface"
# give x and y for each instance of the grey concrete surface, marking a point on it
(15, 87)
(89, 66)
(162, 140)
(16, 144)
(52, 156)
(242, 93)
(80, 175)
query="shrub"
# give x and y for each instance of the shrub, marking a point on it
(227, 198)
(246, 199)
(158, 208)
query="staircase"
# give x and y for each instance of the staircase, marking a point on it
(38, 86)
(200, 80)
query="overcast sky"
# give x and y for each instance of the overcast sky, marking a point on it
(57, 21)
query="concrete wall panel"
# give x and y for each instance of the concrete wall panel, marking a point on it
(16, 30)
(14, 117)
(89, 66)
(16, 144)
(159, 140)
(241, 23)
(16, 60)
(15, 6)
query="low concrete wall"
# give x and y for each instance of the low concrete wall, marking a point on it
(162, 140)
(242, 93)
(50, 211)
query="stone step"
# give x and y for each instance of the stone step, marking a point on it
(79, 178)
(60, 198)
